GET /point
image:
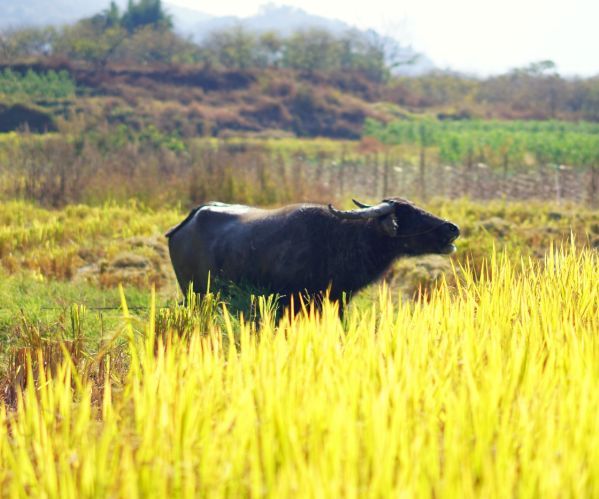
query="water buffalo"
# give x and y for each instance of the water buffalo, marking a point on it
(303, 248)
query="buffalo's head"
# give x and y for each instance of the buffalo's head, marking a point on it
(412, 230)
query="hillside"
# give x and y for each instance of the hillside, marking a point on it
(201, 101)
(191, 100)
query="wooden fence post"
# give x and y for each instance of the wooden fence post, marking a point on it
(386, 172)
(558, 187)
(593, 186)
(421, 173)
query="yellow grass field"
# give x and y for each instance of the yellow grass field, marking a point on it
(486, 388)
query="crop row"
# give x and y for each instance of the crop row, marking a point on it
(49, 85)
(497, 143)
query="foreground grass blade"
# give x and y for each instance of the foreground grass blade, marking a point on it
(489, 388)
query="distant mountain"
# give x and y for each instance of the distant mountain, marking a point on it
(190, 22)
(281, 18)
(185, 19)
(19, 13)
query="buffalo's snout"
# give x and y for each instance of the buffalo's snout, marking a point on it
(451, 231)
(447, 234)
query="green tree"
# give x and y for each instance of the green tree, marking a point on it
(364, 53)
(313, 49)
(270, 49)
(145, 13)
(90, 41)
(16, 44)
(109, 18)
(150, 45)
(232, 48)
(585, 98)
(534, 91)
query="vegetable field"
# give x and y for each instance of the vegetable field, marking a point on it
(498, 143)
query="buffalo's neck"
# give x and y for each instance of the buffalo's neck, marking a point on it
(364, 259)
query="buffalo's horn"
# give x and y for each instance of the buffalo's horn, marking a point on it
(378, 210)
(360, 205)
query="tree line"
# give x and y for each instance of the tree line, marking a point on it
(143, 33)
(533, 92)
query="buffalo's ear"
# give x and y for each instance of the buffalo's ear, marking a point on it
(389, 224)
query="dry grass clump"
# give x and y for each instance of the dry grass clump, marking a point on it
(83, 242)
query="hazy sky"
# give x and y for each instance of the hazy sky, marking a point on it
(468, 35)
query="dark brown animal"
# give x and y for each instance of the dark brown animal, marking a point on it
(302, 249)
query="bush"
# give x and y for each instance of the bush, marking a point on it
(34, 85)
